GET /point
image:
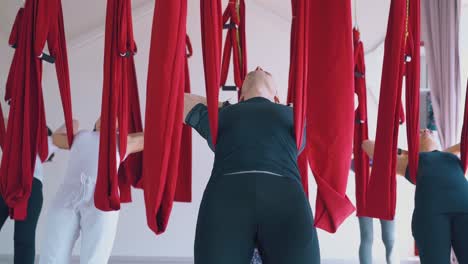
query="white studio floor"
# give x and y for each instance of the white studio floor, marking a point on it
(4, 259)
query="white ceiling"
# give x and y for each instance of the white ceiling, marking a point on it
(372, 17)
(83, 16)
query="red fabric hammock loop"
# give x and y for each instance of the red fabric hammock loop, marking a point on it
(165, 89)
(413, 84)
(381, 194)
(183, 191)
(361, 130)
(130, 171)
(120, 106)
(329, 156)
(37, 23)
(235, 42)
(330, 97)
(361, 160)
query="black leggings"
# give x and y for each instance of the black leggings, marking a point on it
(240, 212)
(25, 231)
(436, 234)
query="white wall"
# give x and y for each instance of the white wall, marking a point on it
(268, 46)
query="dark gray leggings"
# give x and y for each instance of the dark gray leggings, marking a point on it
(435, 234)
(25, 231)
(239, 212)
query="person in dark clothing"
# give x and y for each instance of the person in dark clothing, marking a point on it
(254, 197)
(25, 231)
(440, 217)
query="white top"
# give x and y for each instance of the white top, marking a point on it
(84, 158)
(38, 168)
(80, 178)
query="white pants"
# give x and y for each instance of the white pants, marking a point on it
(65, 223)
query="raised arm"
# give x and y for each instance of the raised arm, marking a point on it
(402, 160)
(59, 137)
(368, 147)
(191, 100)
(135, 143)
(455, 149)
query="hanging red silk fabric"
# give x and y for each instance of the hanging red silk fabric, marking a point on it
(464, 136)
(163, 121)
(211, 29)
(235, 42)
(131, 170)
(297, 86)
(183, 191)
(361, 130)
(401, 44)
(13, 42)
(39, 22)
(330, 97)
(2, 129)
(413, 83)
(120, 106)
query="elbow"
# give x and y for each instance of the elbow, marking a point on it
(135, 144)
(60, 141)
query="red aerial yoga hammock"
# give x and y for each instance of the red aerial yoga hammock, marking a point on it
(235, 42)
(297, 88)
(13, 42)
(361, 131)
(131, 170)
(401, 44)
(39, 22)
(330, 97)
(216, 70)
(120, 103)
(464, 136)
(183, 191)
(163, 121)
(211, 29)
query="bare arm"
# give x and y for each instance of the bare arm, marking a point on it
(356, 101)
(402, 164)
(191, 100)
(402, 160)
(135, 143)
(455, 149)
(136, 140)
(60, 139)
(368, 147)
